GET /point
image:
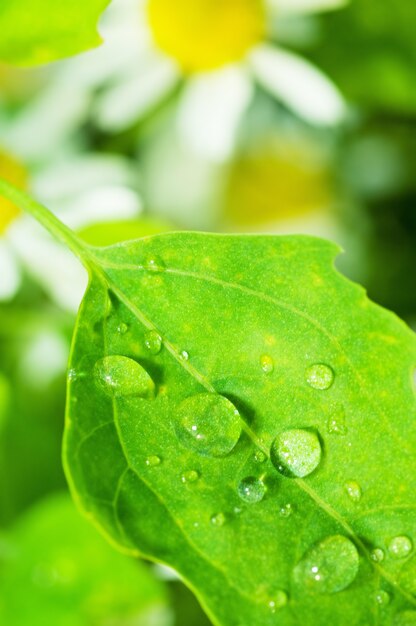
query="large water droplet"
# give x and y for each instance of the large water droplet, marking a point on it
(121, 376)
(320, 376)
(218, 519)
(209, 424)
(353, 489)
(266, 363)
(190, 476)
(400, 547)
(296, 453)
(377, 555)
(328, 567)
(251, 489)
(153, 342)
(406, 618)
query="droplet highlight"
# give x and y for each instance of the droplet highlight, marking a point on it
(184, 355)
(121, 376)
(400, 547)
(328, 567)
(320, 376)
(353, 490)
(296, 453)
(251, 489)
(209, 424)
(267, 364)
(153, 342)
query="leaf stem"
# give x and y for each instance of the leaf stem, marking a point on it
(58, 229)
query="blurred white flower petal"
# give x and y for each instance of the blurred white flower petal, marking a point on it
(210, 111)
(102, 204)
(298, 84)
(44, 358)
(9, 272)
(128, 100)
(305, 6)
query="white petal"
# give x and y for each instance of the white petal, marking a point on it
(298, 84)
(305, 6)
(9, 272)
(211, 110)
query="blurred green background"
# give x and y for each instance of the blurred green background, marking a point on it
(274, 116)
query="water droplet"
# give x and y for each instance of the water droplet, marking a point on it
(155, 264)
(184, 355)
(72, 375)
(121, 376)
(400, 547)
(296, 453)
(191, 476)
(286, 510)
(353, 489)
(259, 456)
(406, 618)
(209, 424)
(153, 342)
(377, 555)
(336, 424)
(266, 363)
(382, 597)
(328, 567)
(251, 489)
(279, 601)
(320, 376)
(218, 519)
(122, 328)
(153, 460)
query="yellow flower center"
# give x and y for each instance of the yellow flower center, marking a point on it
(206, 34)
(12, 171)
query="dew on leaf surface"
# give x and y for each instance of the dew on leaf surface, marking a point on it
(72, 374)
(153, 460)
(251, 489)
(279, 601)
(155, 264)
(296, 453)
(320, 376)
(382, 598)
(153, 342)
(218, 519)
(336, 423)
(400, 547)
(259, 456)
(190, 476)
(184, 355)
(353, 490)
(377, 555)
(328, 567)
(209, 424)
(121, 376)
(122, 328)
(266, 363)
(286, 510)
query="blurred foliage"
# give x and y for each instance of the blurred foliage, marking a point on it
(13, 171)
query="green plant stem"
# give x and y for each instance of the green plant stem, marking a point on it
(58, 229)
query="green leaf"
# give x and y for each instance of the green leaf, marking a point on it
(271, 460)
(57, 570)
(108, 233)
(40, 31)
(369, 49)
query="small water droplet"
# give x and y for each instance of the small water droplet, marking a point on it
(328, 567)
(218, 519)
(209, 424)
(184, 355)
(405, 618)
(400, 547)
(279, 601)
(153, 460)
(72, 375)
(122, 328)
(121, 376)
(353, 489)
(336, 424)
(320, 376)
(155, 264)
(377, 555)
(259, 456)
(190, 476)
(153, 342)
(296, 453)
(251, 489)
(286, 510)
(382, 597)
(266, 363)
